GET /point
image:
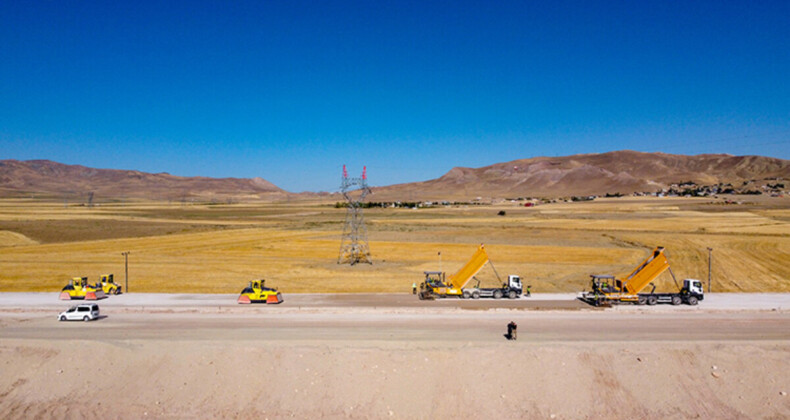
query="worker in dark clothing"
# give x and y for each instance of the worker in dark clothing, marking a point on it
(414, 288)
(512, 331)
(529, 290)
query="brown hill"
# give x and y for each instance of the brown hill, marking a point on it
(57, 179)
(589, 174)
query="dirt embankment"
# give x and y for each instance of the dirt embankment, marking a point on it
(392, 380)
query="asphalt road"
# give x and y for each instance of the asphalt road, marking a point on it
(121, 326)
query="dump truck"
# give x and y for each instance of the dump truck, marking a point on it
(607, 289)
(437, 285)
(257, 292)
(108, 285)
(79, 289)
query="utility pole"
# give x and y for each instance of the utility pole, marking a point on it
(126, 265)
(710, 259)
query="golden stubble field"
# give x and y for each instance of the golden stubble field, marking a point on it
(294, 245)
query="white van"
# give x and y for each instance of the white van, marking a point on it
(83, 312)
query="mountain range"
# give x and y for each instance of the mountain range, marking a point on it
(592, 174)
(588, 174)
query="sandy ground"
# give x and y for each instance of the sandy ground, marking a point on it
(392, 356)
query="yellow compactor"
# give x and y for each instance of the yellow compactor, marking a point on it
(79, 289)
(257, 292)
(108, 285)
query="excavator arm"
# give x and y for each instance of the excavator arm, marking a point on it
(472, 267)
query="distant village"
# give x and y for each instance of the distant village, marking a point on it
(774, 187)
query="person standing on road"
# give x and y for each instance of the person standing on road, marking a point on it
(414, 288)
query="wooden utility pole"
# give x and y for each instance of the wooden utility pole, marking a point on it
(126, 265)
(710, 259)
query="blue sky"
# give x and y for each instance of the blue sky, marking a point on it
(290, 91)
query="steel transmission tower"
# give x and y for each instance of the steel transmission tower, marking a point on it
(354, 243)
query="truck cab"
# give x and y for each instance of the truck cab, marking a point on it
(514, 282)
(692, 291)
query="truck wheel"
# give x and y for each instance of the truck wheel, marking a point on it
(497, 294)
(652, 300)
(511, 294)
(641, 300)
(476, 295)
(692, 301)
(676, 300)
(466, 294)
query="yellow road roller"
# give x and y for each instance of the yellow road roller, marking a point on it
(79, 289)
(108, 285)
(257, 292)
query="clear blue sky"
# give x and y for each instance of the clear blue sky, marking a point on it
(290, 90)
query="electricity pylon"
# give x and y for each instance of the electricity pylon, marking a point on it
(354, 242)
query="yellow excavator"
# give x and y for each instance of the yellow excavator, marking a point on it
(435, 285)
(257, 292)
(79, 289)
(608, 290)
(108, 285)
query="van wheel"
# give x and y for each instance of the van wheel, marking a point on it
(86, 318)
(692, 301)
(62, 318)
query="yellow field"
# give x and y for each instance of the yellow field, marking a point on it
(218, 248)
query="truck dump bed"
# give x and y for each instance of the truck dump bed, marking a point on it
(646, 272)
(472, 267)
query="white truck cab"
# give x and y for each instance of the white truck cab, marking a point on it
(514, 281)
(693, 286)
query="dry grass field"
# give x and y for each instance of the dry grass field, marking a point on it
(554, 247)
